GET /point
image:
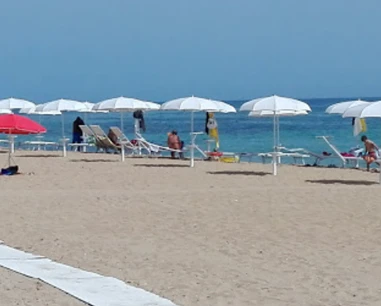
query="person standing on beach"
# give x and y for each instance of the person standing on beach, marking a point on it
(175, 143)
(77, 132)
(371, 151)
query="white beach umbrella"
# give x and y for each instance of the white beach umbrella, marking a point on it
(341, 107)
(123, 104)
(61, 105)
(152, 106)
(226, 108)
(372, 109)
(13, 103)
(32, 111)
(90, 108)
(196, 104)
(192, 104)
(284, 113)
(277, 115)
(275, 106)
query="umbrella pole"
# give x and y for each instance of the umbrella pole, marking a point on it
(275, 155)
(137, 135)
(12, 143)
(63, 136)
(121, 122)
(63, 125)
(192, 141)
(278, 137)
(278, 131)
(10, 149)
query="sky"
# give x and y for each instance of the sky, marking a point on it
(164, 49)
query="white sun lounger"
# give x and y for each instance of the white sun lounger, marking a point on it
(123, 139)
(344, 159)
(37, 145)
(296, 157)
(102, 141)
(318, 157)
(87, 134)
(152, 148)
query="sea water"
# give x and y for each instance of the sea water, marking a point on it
(237, 131)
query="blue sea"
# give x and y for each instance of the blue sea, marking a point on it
(238, 132)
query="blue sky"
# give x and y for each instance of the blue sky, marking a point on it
(158, 50)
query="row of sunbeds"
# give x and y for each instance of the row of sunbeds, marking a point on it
(95, 135)
(299, 154)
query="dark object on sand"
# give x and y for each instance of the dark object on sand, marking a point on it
(11, 170)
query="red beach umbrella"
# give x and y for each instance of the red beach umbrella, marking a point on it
(19, 125)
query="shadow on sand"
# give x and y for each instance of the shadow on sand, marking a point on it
(255, 173)
(98, 160)
(343, 182)
(39, 155)
(161, 165)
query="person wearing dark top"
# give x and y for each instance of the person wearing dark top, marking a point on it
(77, 132)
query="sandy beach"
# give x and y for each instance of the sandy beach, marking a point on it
(217, 234)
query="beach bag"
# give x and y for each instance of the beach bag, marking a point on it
(11, 170)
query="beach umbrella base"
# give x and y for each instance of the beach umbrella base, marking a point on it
(64, 141)
(193, 146)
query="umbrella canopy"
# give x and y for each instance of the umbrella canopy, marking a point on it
(196, 104)
(275, 104)
(123, 104)
(372, 109)
(282, 113)
(19, 125)
(341, 107)
(13, 103)
(89, 108)
(61, 105)
(152, 106)
(226, 108)
(32, 111)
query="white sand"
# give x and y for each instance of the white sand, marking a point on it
(16, 290)
(218, 234)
